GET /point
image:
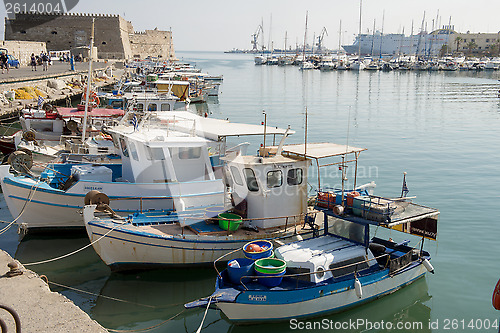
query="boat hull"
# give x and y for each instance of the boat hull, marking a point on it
(45, 207)
(247, 309)
(125, 247)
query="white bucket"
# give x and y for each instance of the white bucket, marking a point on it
(10, 95)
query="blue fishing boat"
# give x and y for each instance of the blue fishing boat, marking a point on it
(341, 268)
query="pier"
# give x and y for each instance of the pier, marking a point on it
(57, 84)
(35, 306)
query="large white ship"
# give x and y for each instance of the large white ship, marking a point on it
(425, 44)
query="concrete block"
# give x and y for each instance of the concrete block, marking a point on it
(56, 84)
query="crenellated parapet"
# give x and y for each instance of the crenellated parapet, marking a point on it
(114, 36)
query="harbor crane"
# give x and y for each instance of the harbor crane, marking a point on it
(255, 36)
(321, 35)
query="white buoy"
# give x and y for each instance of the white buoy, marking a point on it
(428, 265)
(357, 287)
(338, 209)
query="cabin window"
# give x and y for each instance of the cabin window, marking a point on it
(165, 107)
(123, 144)
(236, 175)
(349, 266)
(187, 153)
(152, 107)
(348, 230)
(117, 104)
(252, 184)
(140, 106)
(133, 151)
(274, 178)
(294, 177)
(155, 154)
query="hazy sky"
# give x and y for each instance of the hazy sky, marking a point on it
(222, 24)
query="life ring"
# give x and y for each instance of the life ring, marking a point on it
(48, 107)
(29, 135)
(496, 296)
(93, 98)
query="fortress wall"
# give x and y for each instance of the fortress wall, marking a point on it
(23, 50)
(114, 36)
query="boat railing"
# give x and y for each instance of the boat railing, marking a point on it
(388, 263)
(290, 220)
(394, 266)
(368, 206)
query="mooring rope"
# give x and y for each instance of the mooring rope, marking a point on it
(119, 300)
(148, 328)
(99, 295)
(74, 252)
(30, 197)
(204, 315)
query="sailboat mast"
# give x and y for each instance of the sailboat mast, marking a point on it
(286, 37)
(382, 34)
(340, 38)
(305, 38)
(359, 34)
(89, 81)
(373, 38)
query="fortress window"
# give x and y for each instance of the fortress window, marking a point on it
(54, 32)
(23, 31)
(103, 43)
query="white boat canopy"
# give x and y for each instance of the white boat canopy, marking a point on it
(321, 150)
(217, 129)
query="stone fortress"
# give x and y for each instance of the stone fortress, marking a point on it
(114, 36)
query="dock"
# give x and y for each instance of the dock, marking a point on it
(38, 308)
(57, 84)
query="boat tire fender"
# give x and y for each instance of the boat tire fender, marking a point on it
(96, 198)
(496, 296)
(72, 180)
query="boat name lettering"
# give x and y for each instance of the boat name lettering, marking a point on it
(257, 298)
(97, 188)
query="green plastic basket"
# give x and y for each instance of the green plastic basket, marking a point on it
(270, 265)
(229, 221)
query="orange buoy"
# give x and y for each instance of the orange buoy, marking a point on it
(496, 296)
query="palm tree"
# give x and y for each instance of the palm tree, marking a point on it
(458, 39)
(471, 46)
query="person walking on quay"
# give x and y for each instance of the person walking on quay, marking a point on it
(45, 61)
(33, 62)
(4, 62)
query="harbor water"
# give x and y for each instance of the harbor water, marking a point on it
(439, 127)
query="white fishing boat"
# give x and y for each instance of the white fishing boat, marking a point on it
(169, 156)
(268, 191)
(260, 60)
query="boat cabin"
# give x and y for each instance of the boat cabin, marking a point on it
(274, 188)
(155, 157)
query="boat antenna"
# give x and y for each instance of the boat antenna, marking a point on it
(344, 165)
(265, 127)
(89, 81)
(305, 137)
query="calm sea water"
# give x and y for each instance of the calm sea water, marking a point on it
(440, 128)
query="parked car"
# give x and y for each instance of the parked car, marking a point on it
(13, 62)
